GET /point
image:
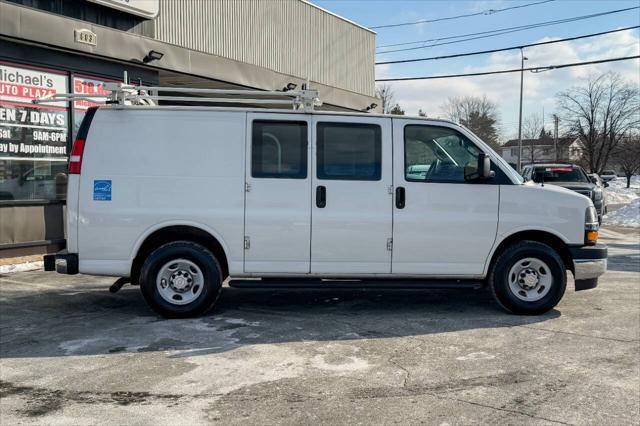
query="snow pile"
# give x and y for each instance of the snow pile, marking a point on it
(21, 267)
(618, 193)
(628, 215)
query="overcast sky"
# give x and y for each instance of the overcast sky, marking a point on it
(539, 89)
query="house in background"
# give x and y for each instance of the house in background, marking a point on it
(569, 150)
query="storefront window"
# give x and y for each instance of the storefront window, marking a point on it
(33, 138)
(86, 85)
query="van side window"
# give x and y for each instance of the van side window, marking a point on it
(349, 151)
(437, 154)
(279, 149)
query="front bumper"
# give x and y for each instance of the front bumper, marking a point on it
(62, 262)
(589, 262)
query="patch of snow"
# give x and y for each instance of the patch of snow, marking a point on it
(240, 321)
(21, 267)
(339, 364)
(618, 193)
(475, 356)
(628, 215)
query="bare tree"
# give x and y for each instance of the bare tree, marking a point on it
(479, 114)
(627, 156)
(384, 92)
(532, 126)
(532, 129)
(601, 113)
(388, 101)
(396, 110)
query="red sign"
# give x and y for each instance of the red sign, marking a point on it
(89, 86)
(20, 91)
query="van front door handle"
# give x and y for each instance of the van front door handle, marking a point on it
(400, 197)
(321, 197)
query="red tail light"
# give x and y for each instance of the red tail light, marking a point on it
(75, 162)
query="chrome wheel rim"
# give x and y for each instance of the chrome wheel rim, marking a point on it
(530, 279)
(180, 281)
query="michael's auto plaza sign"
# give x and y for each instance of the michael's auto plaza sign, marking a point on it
(28, 130)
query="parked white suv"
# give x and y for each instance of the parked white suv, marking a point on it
(178, 199)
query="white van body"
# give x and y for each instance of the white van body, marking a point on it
(145, 169)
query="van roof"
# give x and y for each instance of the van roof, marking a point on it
(273, 111)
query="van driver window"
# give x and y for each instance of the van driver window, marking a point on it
(438, 154)
(279, 150)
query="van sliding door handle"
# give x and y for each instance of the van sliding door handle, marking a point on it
(321, 197)
(400, 197)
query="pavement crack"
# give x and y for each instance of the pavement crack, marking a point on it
(612, 339)
(407, 374)
(506, 410)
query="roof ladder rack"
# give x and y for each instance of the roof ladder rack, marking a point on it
(127, 94)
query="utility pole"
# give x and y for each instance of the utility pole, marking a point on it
(522, 59)
(555, 136)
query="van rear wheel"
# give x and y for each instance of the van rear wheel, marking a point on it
(528, 278)
(181, 279)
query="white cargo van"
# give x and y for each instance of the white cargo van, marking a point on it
(177, 199)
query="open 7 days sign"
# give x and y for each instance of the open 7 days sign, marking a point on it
(27, 130)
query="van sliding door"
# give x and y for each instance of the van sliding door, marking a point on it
(352, 202)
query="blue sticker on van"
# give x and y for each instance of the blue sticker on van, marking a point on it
(102, 190)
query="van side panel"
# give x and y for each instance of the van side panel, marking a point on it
(149, 168)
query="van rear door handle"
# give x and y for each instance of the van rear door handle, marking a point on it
(400, 197)
(321, 197)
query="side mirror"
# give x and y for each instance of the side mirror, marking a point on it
(482, 172)
(484, 164)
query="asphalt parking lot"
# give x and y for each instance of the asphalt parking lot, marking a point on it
(72, 353)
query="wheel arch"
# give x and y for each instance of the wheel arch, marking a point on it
(178, 232)
(542, 236)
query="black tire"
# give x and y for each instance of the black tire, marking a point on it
(192, 252)
(518, 252)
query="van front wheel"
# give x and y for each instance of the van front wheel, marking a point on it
(528, 278)
(181, 279)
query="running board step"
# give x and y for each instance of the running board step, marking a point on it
(356, 284)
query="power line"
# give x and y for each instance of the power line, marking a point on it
(496, 32)
(482, 52)
(534, 69)
(448, 18)
(593, 15)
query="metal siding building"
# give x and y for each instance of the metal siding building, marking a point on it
(81, 44)
(289, 37)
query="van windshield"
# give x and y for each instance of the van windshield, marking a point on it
(559, 174)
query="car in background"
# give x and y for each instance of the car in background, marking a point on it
(570, 176)
(608, 175)
(596, 179)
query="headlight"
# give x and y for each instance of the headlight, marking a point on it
(591, 226)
